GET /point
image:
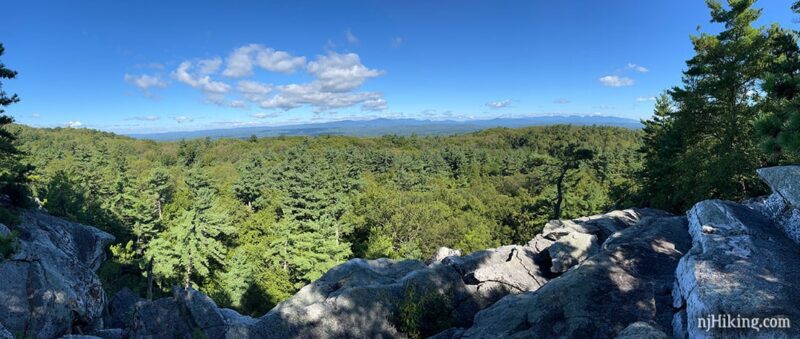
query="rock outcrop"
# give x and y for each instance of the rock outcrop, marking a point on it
(187, 314)
(628, 281)
(783, 205)
(740, 264)
(48, 288)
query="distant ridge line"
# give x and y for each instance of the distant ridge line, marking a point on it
(385, 126)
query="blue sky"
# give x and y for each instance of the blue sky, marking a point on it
(150, 66)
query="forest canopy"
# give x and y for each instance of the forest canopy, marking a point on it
(250, 221)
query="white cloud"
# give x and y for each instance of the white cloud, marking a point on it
(397, 41)
(616, 81)
(237, 104)
(635, 67)
(145, 81)
(145, 118)
(199, 80)
(351, 38)
(313, 94)
(264, 115)
(340, 72)
(561, 101)
(182, 118)
(499, 104)
(36, 115)
(73, 124)
(374, 105)
(209, 66)
(254, 90)
(241, 61)
(640, 99)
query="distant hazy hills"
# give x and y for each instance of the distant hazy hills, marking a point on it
(383, 126)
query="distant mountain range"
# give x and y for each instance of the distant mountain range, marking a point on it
(383, 126)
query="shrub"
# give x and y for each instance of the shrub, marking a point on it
(8, 245)
(423, 315)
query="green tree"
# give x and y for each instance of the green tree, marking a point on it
(568, 156)
(251, 182)
(714, 113)
(778, 127)
(192, 243)
(12, 171)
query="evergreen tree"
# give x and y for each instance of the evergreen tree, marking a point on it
(193, 242)
(12, 172)
(310, 219)
(251, 182)
(568, 156)
(714, 113)
(779, 125)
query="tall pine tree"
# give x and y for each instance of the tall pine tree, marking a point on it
(714, 114)
(193, 242)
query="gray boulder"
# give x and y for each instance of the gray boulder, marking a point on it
(783, 180)
(570, 242)
(119, 311)
(740, 264)
(571, 249)
(628, 281)
(444, 252)
(641, 330)
(160, 318)
(367, 298)
(4, 231)
(186, 314)
(783, 205)
(48, 287)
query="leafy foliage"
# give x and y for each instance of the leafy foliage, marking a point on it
(250, 221)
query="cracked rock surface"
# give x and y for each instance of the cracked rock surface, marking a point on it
(49, 287)
(628, 281)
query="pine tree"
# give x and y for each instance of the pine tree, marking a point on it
(251, 182)
(13, 174)
(778, 127)
(192, 243)
(568, 156)
(311, 233)
(714, 113)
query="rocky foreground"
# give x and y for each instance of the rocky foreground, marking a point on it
(637, 273)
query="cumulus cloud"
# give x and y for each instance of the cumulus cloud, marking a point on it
(640, 99)
(313, 94)
(351, 38)
(182, 118)
(561, 101)
(340, 72)
(73, 124)
(254, 90)
(635, 67)
(616, 81)
(145, 118)
(499, 104)
(198, 77)
(241, 61)
(145, 81)
(336, 79)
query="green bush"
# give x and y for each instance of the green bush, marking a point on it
(8, 217)
(423, 315)
(8, 245)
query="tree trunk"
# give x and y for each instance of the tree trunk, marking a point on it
(150, 279)
(559, 194)
(158, 205)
